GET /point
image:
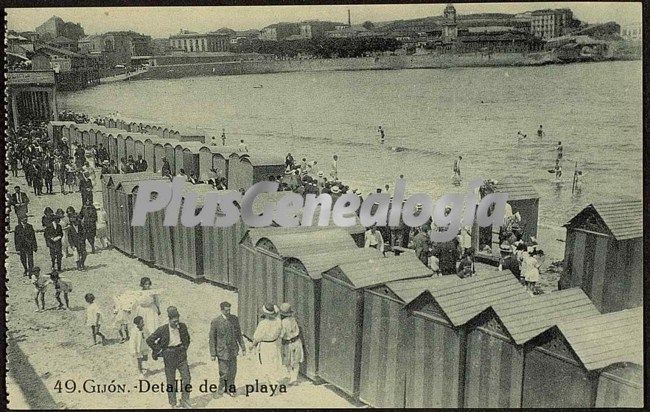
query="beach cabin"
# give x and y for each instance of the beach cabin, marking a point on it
(163, 245)
(121, 147)
(297, 258)
(258, 168)
(342, 314)
(260, 272)
(587, 362)
(524, 199)
(56, 131)
(159, 154)
(170, 155)
(138, 150)
(129, 146)
(188, 135)
(191, 159)
(603, 254)
(384, 359)
(220, 252)
(149, 153)
(236, 177)
(111, 145)
(496, 342)
(214, 157)
(127, 238)
(188, 241)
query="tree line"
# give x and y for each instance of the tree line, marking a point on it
(320, 47)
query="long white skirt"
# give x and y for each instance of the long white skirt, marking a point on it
(270, 360)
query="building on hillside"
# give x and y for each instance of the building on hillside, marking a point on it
(160, 47)
(316, 28)
(549, 23)
(64, 43)
(55, 27)
(116, 48)
(20, 41)
(449, 25)
(353, 31)
(632, 32)
(279, 31)
(189, 42)
(72, 70)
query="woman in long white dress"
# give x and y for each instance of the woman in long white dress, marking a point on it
(267, 339)
(148, 306)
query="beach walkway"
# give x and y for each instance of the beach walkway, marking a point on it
(56, 345)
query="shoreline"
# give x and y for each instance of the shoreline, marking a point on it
(398, 62)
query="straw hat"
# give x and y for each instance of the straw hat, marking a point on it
(320, 173)
(505, 248)
(418, 206)
(270, 309)
(335, 189)
(285, 309)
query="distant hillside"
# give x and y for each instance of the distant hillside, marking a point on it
(435, 22)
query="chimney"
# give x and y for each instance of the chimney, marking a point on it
(349, 19)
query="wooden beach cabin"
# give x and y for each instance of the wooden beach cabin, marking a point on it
(220, 252)
(170, 155)
(236, 178)
(127, 238)
(191, 158)
(121, 147)
(342, 314)
(523, 198)
(297, 266)
(587, 362)
(257, 168)
(604, 254)
(159, 154)
(129, 143)
(188, 135)
(496, 343)
(188, 241)
(149, 153)
(56, 131)
(214, 157)
(384, 359)
(260, 278)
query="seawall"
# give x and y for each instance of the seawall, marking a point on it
(424, 61)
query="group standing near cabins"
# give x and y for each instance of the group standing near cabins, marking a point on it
(277, 341)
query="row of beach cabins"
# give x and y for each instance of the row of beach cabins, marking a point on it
(387, 332)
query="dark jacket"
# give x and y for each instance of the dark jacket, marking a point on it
(225, 337)
(158, 341)
(25, 238)
(77, 237)
(50, 233)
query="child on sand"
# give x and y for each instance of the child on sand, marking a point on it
(138, 345)
(40, 283)
(93, 318)
(60, 287)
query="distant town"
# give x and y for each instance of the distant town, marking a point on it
(81, 60)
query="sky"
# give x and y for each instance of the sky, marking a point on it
(163, 21)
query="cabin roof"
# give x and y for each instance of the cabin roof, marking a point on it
(464, 299)
(61, 123)
(517, 188)
(317, 263)
(380, 270)
(127, 186)
(260, 200)
(624, 218)
(190, 132)
(260, 159)
(317, 250)
(193, 147)
(602, 340)
(86, 126)
(225, 151)
(118, 178)
(201, 190)
(527, 316)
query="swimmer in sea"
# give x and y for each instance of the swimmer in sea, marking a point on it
(540, 132)
(559, 149)
(381, 135)
(520, 136)
(558, 170)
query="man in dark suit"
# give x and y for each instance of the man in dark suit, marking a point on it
(78, 241)
(141, 165)
(171, 342)
(53, 239)
(25, 240)
(19, 201)
(225, 341)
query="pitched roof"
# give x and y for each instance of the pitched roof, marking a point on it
(382, 270)
(118, 178)
(602, 340)
(517, 188)
(624, 218)
(318, 251)
(464, 299)
(527, 316)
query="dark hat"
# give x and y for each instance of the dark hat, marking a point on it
(270, 309)
(172, 312)
(224, 305)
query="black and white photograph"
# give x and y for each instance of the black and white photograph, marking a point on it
(301, 205)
